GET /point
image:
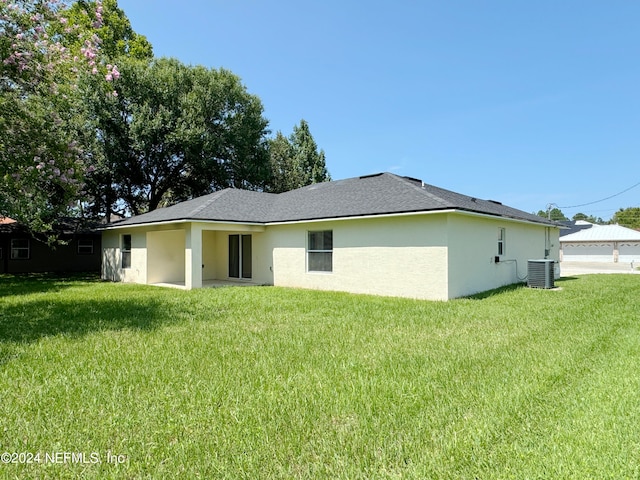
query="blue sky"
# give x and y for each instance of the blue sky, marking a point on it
(528, 103)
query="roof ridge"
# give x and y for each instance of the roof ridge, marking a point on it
(212, 197)
(432, 196)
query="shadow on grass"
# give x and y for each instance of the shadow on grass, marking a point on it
(28, 283)
(75, 313)
(496, 291)
(564, 279)
(512, 287)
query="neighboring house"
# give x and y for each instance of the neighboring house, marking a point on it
(573, 226)
(20, 252)
(601, 243)
(379, 234)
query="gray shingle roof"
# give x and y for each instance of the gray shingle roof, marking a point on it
(378, 194)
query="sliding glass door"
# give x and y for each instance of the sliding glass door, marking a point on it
(240, 256)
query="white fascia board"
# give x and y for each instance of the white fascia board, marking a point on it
(405, 214)
(335, 219)
(500, 217)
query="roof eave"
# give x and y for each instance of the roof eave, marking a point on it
(461, 211)
(179, 220)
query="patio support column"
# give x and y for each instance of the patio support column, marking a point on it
(193, 257)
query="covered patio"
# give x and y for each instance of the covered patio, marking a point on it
(202, 255)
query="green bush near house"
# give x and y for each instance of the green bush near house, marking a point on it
(105, 380)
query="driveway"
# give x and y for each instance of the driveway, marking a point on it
(568, 269)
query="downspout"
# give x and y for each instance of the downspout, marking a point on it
(547, 242)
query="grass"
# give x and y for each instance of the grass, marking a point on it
(266, 382)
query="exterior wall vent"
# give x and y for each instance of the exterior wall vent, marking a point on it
(540, 273)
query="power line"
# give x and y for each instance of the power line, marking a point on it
(603, 199)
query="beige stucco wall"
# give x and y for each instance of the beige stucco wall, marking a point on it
(211, 264)
(473, 246)
(433, 256)
(261, 256)
(395, 256)
(165, 256)
(112, 258)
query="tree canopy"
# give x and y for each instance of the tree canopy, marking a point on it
(628, 217)
(91, 123)
(171, 132)
(588, 218)
(553, 214)
(109, 23)
(296, 161)
(42, 162)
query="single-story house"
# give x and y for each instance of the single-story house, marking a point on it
(21, 252)
(601, 243)
(380, 234)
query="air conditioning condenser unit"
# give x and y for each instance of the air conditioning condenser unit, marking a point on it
(540, 273)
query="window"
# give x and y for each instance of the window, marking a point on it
(501, 242)
(85, 247)
(126, 251)
(320, 251)
(20, 249)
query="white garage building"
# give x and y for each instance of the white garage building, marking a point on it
(601, 243)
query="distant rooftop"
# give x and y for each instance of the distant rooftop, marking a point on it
(603, 233)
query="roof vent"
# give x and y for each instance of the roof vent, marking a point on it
(370, 176)
(413, 179)
(495, 201)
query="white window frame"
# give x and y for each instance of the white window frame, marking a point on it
(85, 246)
(311, 251)
(502, 242)
(16, 249)
(126, 264)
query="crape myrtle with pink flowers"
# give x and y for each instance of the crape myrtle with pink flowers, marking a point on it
(91, 124)
(42, 162)
(47, 48)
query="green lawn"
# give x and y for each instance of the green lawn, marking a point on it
(267, 382)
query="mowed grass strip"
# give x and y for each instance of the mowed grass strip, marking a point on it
(266, 382)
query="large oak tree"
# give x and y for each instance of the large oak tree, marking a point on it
(171, 132)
